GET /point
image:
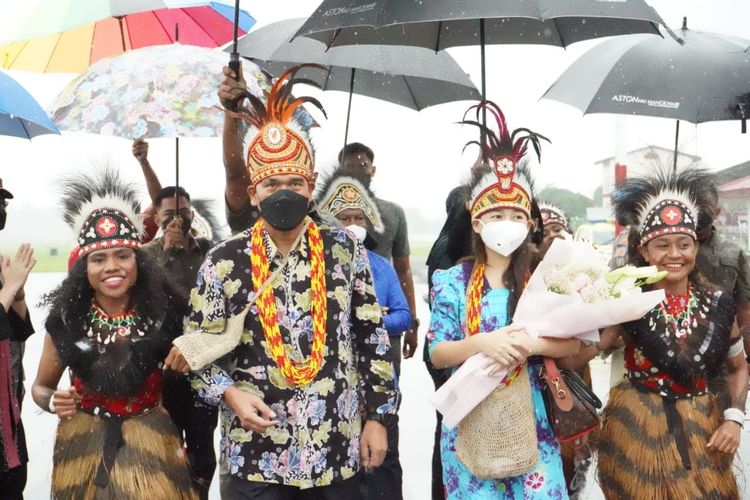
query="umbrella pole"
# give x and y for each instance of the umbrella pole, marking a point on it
(176, 173)
(122, 32)
(676, 138)
(234, 56)
(482, 134)
(484, 76)
(349, 108)
(177, 183)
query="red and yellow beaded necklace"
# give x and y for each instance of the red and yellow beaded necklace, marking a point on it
(474, 312)
(474, 299)
(304, 372)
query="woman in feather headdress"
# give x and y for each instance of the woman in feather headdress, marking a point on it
(663, 436)
(110, 324)
(472, 306)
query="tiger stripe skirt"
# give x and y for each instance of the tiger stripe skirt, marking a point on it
(638, 458)
(151, 463)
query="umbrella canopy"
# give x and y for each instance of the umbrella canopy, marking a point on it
(20, 114)
(439, 25)
(408, 76)
(160, 91)
(705, 79)
(74, 50)
(36, 18)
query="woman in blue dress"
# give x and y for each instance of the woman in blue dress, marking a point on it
(473, 303)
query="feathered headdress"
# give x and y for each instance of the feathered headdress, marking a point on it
(504, 186)
(205, 223)
(279, 145)
(664, 202)
(342, 191)
(486, 195)
(102, 211)
(553, 215)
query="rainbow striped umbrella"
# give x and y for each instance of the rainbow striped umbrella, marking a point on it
(75, 50)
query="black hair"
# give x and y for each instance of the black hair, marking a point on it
(354, 148)
(170, 192)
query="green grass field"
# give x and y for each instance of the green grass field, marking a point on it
(420, 249)
(46, 262)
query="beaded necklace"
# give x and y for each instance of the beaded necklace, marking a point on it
(106, 328)
(296, 373)
(474, 312)
(677, 313)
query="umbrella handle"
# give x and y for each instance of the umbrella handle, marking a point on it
(234, 64)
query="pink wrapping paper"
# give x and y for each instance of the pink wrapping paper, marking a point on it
(542, 314)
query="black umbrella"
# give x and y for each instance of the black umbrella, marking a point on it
(706, 78)
(437, 25)
(408, 76)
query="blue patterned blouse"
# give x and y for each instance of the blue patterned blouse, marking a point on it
(448, 322)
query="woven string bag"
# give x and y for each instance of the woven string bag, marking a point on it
(497, 439)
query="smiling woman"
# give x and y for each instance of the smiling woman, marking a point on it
(662, 426)
(111, 322)
(111, 274)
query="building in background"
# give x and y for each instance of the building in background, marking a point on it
(637, 162)
(734, 201)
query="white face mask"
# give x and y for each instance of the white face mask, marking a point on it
(359, 231)
(503, 236)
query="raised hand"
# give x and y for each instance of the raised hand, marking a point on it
(140, 150)
(231, 88)
(15, 272)
(174, 237)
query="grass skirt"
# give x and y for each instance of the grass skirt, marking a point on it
(150, 465)
(638, 457)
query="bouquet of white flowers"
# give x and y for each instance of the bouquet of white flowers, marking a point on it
(571, 294)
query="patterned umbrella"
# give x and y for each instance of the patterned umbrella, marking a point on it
(160, 91)
(74, 50)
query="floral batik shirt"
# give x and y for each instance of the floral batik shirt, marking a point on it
(316, 442)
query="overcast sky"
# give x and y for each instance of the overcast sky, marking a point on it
(418, 154)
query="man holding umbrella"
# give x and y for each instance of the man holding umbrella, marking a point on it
(241, 214)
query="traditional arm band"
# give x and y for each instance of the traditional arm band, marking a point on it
(735, 415)
(737, 348)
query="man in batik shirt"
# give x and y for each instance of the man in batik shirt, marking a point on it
(291, 420)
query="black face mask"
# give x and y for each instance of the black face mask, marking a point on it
(3, 217)
(186, 223)
(284, 210)
(370, 243)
